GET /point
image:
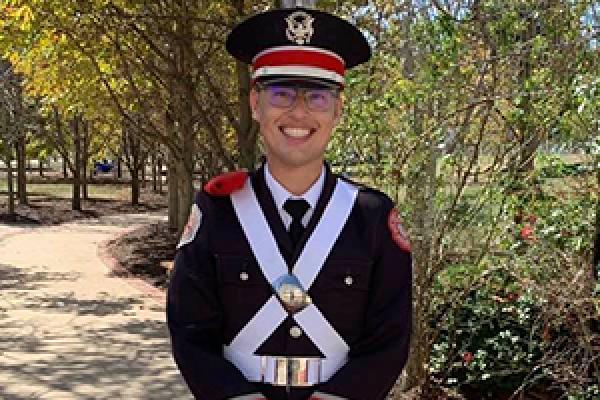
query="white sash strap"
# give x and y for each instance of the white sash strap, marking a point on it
(324, 236)
(259, 328)
(257, 231)
(248, 364)
(320, 331)
(271, 315)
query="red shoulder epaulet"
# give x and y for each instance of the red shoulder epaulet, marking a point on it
(227, 183)
(398, 233)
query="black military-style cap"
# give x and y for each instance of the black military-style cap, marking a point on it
(298, 44)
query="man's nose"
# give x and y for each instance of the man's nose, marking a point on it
(300, 108)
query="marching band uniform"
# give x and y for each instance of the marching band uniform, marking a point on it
(253, 315)
(363, 290)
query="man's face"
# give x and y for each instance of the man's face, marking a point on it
(296, 134)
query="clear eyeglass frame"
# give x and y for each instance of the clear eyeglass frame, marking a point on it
(285, 96)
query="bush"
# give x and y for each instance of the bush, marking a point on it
(490, 343)
(523, 330)
(528, 322)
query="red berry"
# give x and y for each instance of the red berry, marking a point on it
(468, 357)
(526, 232)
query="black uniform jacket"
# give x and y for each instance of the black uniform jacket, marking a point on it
(208, 303)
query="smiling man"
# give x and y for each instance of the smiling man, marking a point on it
(291, 282)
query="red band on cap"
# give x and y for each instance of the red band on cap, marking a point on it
(308, 58)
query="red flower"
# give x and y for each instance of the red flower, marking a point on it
(526, 232)
(468, 357)
(512, 296)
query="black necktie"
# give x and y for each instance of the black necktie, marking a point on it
(297, 209)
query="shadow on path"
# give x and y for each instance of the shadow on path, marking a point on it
(16, 278)
(56, 345)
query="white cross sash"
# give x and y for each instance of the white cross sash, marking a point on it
(255, 226)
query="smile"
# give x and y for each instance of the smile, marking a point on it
(297, 133)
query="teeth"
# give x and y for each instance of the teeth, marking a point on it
(296, 132)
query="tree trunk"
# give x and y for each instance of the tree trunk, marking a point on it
(596, 256)
(21, 169)
(41, 167)
(143, 172)
(530, 138)
(248, 128)
(85, 157)
(135, 187)
(153, 162)
(134, 158)
(9, 181)
(76, 198)
(173, 192)
(159, 165)
(421, 194)
(64, 168)
(186, 90)
(186, 192)
(119, 168)
(185, 178)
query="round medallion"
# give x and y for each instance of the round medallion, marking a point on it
(244, 276)
(290, 292)
(295, 332)
(349, 280)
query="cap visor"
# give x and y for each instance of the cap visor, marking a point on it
(299, 81)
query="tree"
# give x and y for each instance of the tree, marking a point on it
(439, 107)
(15, 119)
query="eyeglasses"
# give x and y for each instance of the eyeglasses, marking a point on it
(286, 97)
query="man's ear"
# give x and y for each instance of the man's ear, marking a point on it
(338, 110)
(254, 103)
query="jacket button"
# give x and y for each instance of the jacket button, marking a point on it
(349, 280)
(244, 275)
(295, 332)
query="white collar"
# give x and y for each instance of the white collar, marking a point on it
(281, 194)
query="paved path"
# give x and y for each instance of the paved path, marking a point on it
(68, 330)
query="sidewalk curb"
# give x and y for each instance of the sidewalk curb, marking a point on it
(111, 263)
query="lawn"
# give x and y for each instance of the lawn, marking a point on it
(64, 190)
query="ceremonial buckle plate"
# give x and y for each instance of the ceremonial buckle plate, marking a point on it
(291, 371)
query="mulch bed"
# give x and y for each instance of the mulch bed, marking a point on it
(141, 251)
(47, 210)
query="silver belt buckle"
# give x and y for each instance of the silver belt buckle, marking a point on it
(293, 371)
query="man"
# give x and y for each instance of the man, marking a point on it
(290, 282)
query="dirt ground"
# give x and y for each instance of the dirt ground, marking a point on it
(50, 210)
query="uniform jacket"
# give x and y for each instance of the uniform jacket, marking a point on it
(208, 303)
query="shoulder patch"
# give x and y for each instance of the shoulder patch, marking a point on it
(397, 231)
(227, 183)
(191, 227)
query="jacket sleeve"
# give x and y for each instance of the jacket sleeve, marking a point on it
(378, 357)
(194, 319)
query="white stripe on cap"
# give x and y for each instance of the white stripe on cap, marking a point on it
(299, 71)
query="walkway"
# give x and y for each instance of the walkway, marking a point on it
(68, 330)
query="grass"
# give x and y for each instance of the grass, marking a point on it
(63, 190)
